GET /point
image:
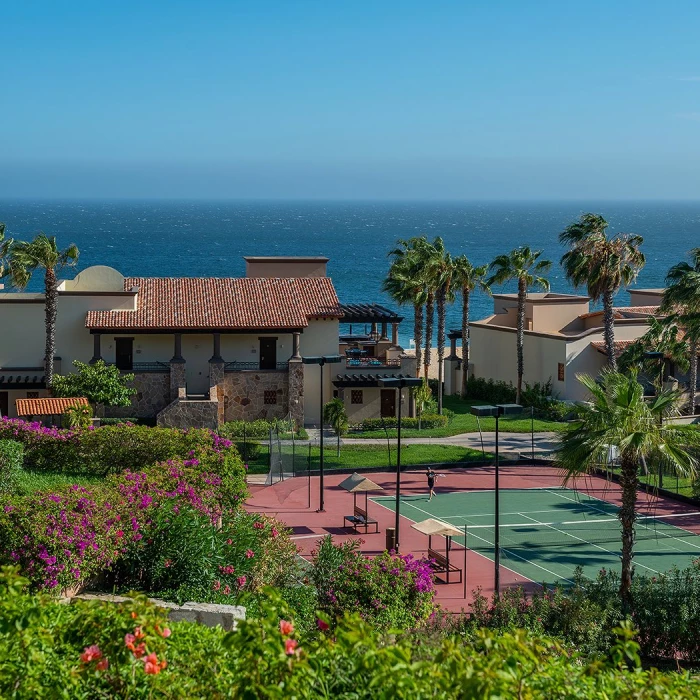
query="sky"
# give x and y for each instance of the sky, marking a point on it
(350, 99)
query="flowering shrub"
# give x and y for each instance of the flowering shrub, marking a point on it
(63, 538)
(11, 458)
(93, 650)
(390, 590)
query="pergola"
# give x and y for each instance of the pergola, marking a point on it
(374, 314)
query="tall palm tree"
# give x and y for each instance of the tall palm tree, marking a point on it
(617, 415)
(42, 253)
(467, 278)
(5, 244)
(682, 298)
(521, 264)
(334, 414)
(406, 284)
(440, 272)
(603, 264)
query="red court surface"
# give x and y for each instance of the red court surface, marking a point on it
(288, 501)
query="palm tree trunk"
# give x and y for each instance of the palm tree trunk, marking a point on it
(609, 329)
(441, 302)
(418, 334)
(51, 300)
(627, 516)
(522, 296)
(429, 317)
(465, 340)
(694, 350)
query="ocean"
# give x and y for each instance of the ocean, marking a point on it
(197, 238)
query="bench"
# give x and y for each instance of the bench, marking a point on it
(440, 566)
(359, 519)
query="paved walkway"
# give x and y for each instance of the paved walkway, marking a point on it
(507, 442)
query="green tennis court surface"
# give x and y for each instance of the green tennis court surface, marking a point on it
(547, 532)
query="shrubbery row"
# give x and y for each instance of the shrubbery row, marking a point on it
(11, 460)
(427, 422)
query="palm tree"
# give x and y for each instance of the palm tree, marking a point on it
(682, 298)
(618, 416)
(603, 264)
(440, 273)
(405, 284)
(521, 264)
(42, 253)
(334, 414)
(467, 278)
(4, 248)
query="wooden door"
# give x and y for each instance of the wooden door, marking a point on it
(388, 403)
(124, 350)
(4, 403)
(268, 353)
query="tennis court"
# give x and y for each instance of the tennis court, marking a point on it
(547, 532)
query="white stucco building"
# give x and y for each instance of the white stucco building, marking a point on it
(203, 350)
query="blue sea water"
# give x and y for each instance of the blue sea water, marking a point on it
(195, 238)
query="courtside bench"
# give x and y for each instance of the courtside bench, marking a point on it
(440, 565)
(359, 519)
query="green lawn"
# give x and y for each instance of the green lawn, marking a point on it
(28, 481)
(465, 422)
(357, 456)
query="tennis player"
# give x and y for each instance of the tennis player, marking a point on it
(431, 482)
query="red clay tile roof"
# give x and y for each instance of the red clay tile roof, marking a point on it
(47, 407)
(621, 311)
(620, 346)
(235, 303)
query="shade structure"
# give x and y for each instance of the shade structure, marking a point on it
(436, 527)
(356, 483)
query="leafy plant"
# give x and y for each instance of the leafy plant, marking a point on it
(78, 416)
(100, 383)
(11, 458)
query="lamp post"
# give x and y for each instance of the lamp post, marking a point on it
(656, 355)
(501, 409)
(321, 360)
(399, 383)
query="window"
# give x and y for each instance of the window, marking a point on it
(560, 371)
(270, 397)
(356, 396)
(32, 394)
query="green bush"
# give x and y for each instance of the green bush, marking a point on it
(257, 429)
(151, 422)
(11, 459)
(250, 450)
(427, 422)
(390, 590)
(93, 650)
(490, 391)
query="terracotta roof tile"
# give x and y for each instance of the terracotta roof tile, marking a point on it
(621, 311)
(235, 303)
(47, 407)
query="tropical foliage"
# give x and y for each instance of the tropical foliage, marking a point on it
(524, 266)
(99, 383)
(602, 264)
(619, 416)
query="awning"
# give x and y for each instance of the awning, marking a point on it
(48, 406)
(359, 381)
(356, 483)
(436, 527)
(368, 313)
(22, 378)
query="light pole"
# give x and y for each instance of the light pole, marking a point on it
(501, 409)
(321, 360)
(655, 355)
(399, 383)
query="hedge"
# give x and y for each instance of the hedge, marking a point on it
(257, 429)
(11, 460)
(94, 650)
(428, 421)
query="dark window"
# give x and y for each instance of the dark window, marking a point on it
(270, 397)
(4, 403)
(124, 353)
(560, 371)
(356, 396)
(32, 394)
(268, 353)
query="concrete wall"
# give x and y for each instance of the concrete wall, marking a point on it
(319, 338)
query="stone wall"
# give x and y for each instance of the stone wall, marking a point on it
(152, 397)
(296, 391)
(184, 413)
(244, 395)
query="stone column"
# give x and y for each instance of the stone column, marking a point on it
(96, 350)
(395, 334)
(384, 336)
(178, 371)
(296, 338)
(453, 348)
(216, 386)
(216, 357)
(296, 390)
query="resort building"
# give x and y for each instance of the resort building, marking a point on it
(563, 338)
(208, 350)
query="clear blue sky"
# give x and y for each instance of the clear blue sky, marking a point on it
(350, 99)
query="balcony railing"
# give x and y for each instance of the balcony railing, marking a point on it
(140, 367)
(253, 366)
(371, 363)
